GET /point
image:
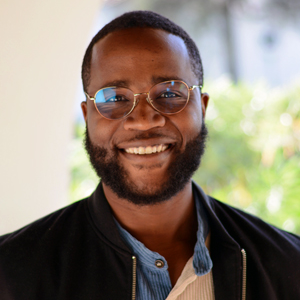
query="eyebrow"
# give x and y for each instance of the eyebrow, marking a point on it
(122, 83)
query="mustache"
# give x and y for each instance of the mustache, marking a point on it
(149, 135)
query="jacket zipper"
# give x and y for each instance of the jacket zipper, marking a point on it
(133, 277)
(244, 276)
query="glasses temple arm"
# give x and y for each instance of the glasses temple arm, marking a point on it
(88, 96)
(195, 86)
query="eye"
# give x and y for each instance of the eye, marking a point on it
(169, 94)
(116, 98)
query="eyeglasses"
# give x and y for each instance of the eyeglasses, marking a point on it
(168, 97)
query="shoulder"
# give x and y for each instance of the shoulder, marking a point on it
(34, 255)
(246, 229)
(270, 250)
(273, 255)
(244, 225)
(43, 231)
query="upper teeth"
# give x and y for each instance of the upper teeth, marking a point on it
(147, 150)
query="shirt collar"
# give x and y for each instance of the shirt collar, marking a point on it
(202, 262)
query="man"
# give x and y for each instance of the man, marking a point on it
(148, 231)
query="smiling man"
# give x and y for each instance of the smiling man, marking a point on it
(148, 231)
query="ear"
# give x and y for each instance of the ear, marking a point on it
(204, 102)
(84, 109)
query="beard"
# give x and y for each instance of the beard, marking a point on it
(180, 171)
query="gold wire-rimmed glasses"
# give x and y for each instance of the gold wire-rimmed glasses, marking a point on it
(168, 97)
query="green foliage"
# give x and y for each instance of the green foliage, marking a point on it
(83, 178)
(252, 160)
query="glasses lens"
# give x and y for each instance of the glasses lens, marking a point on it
(114, 103)
(169, 97)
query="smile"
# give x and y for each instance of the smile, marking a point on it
(147, 150)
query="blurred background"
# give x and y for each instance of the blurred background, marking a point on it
(250, 52)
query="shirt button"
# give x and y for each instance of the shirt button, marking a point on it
(159, 263)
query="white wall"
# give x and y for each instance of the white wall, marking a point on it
(278, 61)
(42, 45)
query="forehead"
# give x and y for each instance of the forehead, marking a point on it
(140, 38)
(137, 53)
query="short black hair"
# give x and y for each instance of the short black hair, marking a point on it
(142, 19)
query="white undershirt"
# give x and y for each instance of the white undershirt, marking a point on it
(189, 286)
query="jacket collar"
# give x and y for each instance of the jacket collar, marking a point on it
(101, 215)
(102, 219)
(222, 233)
(225, 251)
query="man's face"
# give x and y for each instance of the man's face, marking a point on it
(138, 59)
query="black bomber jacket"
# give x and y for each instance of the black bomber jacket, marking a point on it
(77, 253)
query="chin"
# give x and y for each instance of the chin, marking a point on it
(148, 186)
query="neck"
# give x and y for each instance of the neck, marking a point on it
(168, 228)
(157, 226)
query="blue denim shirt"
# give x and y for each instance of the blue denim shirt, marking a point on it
(154, 282)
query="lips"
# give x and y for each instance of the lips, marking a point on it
(141, 150)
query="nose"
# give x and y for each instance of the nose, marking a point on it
(144, 116)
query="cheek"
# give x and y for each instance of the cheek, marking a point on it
(100, 129)
(188, 124)
(191, 122)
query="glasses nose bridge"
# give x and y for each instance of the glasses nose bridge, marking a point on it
(136, 97)
(138, 94)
